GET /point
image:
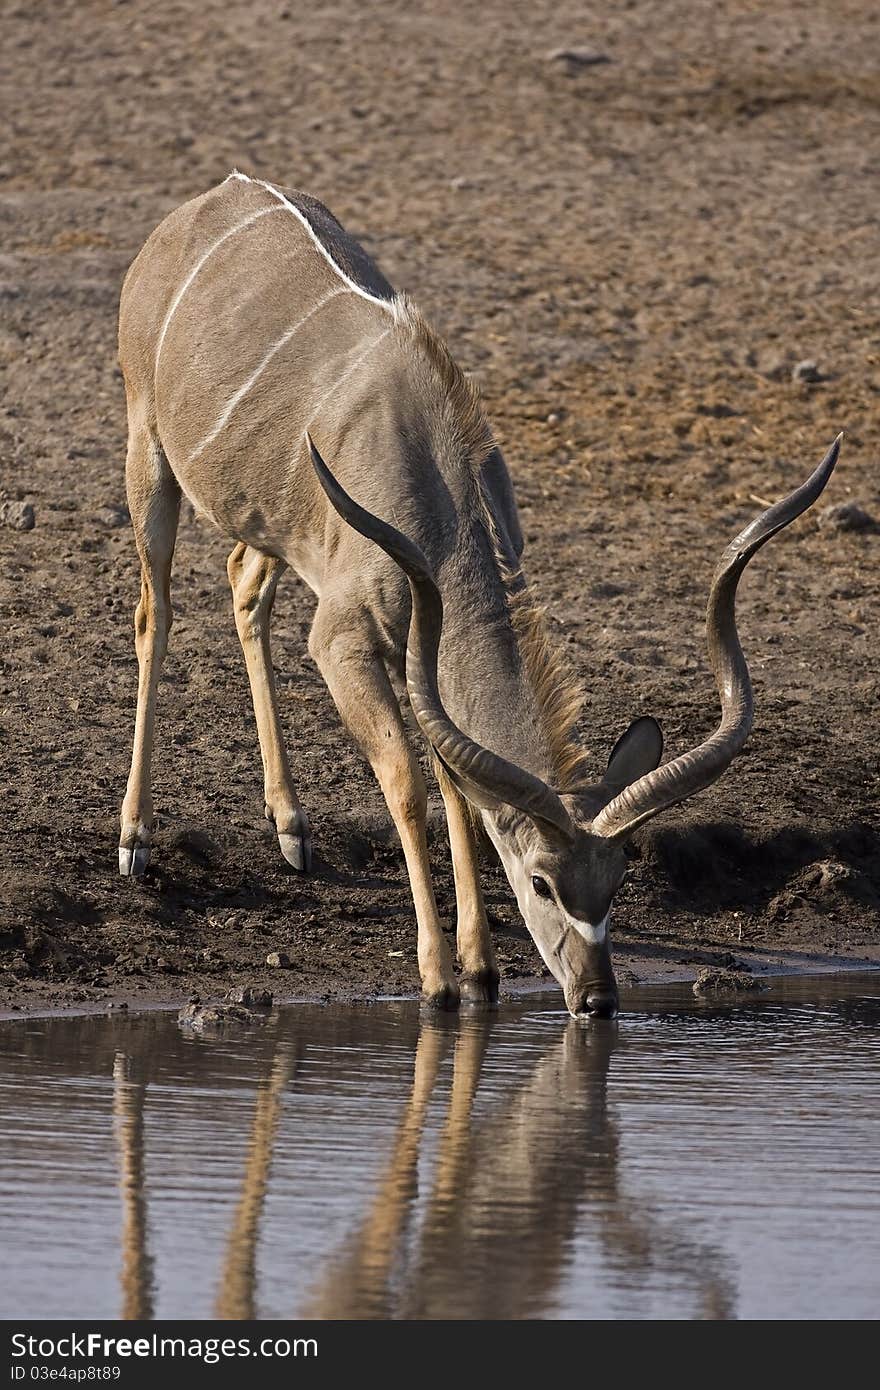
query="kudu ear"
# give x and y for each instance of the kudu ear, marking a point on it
(636, 752)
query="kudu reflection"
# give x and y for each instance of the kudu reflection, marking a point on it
(235, 1297)
(490, 1233)
(128, 1113)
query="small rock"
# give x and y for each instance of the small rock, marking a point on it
(19, 516)
(846, 516)
(578, 57)
(201, 1016)
(780, 908)
(253, 998)
(828, 879)
(807, 372)
(278, 960)
(714, 980)
(190, 1016)
(835, 875)
(113, 517)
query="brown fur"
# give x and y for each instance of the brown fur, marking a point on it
(184, 340)
(559, 693)
(460, 420)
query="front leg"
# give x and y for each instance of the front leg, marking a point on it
(359, 684)
(479, 978)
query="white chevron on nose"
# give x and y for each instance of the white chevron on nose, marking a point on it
(594, 934)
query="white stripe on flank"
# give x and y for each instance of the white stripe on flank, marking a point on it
(386, 304)
(239, 227)
(345, 375)
(255, 375)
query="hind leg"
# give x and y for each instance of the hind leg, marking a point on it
(254, 579)
(154, 502)
(359, 684)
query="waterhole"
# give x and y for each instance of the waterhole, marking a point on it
(691, 1160)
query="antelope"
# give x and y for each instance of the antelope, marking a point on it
(256, 340)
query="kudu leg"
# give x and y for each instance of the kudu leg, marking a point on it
(366, 1280)
(154, 503)
(236, 1296)
(254, 579)
(363, 694)
(479, 977)
(137, 1266)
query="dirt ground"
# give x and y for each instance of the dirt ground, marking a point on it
(632, 256)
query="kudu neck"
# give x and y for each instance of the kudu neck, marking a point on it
(484, 682)
(442, 498)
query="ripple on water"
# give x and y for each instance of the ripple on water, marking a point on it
(693, 1159)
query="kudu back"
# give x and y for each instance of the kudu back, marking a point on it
(275, 378)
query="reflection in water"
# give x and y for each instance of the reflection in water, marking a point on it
(235, 1298)
(370, 1162)
(507, 1192)
(500, 1210)
(137, 1270)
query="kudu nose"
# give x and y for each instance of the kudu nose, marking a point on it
(601, 1003)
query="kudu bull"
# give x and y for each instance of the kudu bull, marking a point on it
(254, 332)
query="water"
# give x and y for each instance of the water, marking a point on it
(690, 1161)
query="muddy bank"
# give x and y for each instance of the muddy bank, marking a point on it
(637, 259)
(209, 916)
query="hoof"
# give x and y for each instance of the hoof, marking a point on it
(133, 862)
(297, 850)
(295, 840)
(480, 987)
(446, 998)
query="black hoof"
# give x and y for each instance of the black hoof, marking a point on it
(480, 988)
(446, 999)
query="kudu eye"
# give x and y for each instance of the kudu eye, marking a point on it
(541, 886)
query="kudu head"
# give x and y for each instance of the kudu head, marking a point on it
(565, 854)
